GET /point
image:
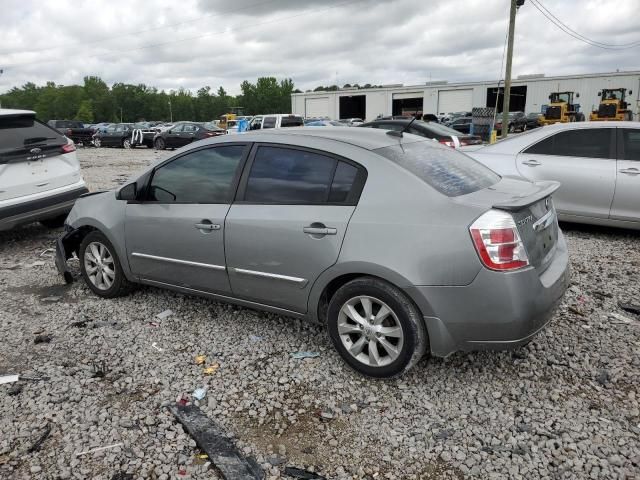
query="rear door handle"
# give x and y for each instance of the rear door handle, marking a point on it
(630, 171)
(531, 163)
(319, 230)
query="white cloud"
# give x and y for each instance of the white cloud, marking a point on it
(193, 43)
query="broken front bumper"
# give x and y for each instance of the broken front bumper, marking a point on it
(66, 245)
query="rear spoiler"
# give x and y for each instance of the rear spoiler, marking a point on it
(545, 189)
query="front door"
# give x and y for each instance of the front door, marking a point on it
(187, 135)
(172, 137)
(175, 233)
(108, 135)
(288, 223)
(583, 160)
(626, 201)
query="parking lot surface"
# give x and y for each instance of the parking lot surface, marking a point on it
(564, 406)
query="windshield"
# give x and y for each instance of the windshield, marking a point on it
(448, 171)
(211, 126)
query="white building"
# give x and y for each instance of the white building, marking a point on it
(528, 93)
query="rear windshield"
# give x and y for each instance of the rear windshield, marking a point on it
(20, 132)
(441, 129)
(68, 124)
(291, 122)
(448, 171)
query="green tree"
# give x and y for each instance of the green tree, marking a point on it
(85, 112)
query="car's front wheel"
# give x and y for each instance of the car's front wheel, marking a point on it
(376, 329)
(126, 143)
(101, 268)
(159, 143)
(97, 142)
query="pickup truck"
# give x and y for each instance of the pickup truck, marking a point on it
(74, 130)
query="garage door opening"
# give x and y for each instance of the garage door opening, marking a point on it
(407, 106)
(517, 99)
(316, 107)
(354, 106)
(451, 101)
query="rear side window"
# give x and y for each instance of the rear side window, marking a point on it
(203, 176)
(292, 121)
(631, 143)
(448, 171)
(269, 122)
(343, 181)
(584, 142)
(20, 132)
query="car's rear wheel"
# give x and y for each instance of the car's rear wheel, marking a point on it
(159, 143)
(524, 127)
(97, 142)
(55, 222)
(512, 128)
(126, 143)
(376, 329)
(101, 268)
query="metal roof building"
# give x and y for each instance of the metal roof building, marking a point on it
(528, 93)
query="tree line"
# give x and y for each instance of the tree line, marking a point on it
(94, 101)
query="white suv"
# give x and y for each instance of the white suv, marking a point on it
(39, 171)
(276, 120)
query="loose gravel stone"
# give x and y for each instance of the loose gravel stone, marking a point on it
(544, 411)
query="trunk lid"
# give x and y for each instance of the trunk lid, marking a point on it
(531, 206)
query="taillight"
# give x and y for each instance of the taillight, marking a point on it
(498, 242)
(448, 143)
(68, 148)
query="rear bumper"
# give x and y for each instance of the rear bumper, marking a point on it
(39, 209)
(497, 311)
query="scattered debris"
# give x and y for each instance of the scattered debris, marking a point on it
(200, 360)
(52, 299)
(42, 339)
(35, 264)
(155, 345)
(301, 355)
(38, 443)
(48, 250)
(15, 389)
(211, 369)
(99, 369)
(603, 377)
(621, 318)
(629, 307)
(255, 338)
(302, 474)
(182, 399)
(213, 441)
(122, 476)
(79, 324)
(601, 295)
(326, 414)
(165, 314)
(199, 393)
(10, 267)
(443, 434)
(9, 379)
(576, 310)
(153, 324)
(99, 449)
(34, 378)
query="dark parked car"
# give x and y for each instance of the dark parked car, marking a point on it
(533, 120)
(462, 124)
(116, 135)
(73, 130)
(436, 131)
(517, 121)
(183, 133)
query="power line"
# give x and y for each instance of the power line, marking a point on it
(569, 31)
(208, 34)
(159, 27)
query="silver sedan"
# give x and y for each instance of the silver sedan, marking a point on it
(597, 164)
(400, 246)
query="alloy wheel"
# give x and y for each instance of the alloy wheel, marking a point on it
(126, 143)
(97, 142)
(99, 265)
(370, 331)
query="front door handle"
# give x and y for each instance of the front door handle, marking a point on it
(531, 163)
(207, 226)
(319, 229)
(630, 171)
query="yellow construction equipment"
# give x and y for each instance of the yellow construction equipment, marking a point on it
(613, 105)
(227, 120)
(562, 109)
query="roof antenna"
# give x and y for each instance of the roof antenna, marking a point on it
(395, 133)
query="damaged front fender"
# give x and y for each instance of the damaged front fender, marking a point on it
(66, 245)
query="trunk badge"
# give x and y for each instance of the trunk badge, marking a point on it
(35, 150)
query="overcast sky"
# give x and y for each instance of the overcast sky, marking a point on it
(192, 43)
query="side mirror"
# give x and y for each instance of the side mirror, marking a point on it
(128, 192)
(599, 93)
(549, 97)
(577, 95)
(630, 92)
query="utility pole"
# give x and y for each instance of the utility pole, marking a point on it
(170, 113)
(507, 76)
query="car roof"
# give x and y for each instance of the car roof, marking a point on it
(367, 138)
(11, 111)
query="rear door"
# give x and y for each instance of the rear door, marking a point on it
(584, 162)
(626, 201)
(175, 232)
(287, 225)
(172, 137)
(187, 135)
(31, 158)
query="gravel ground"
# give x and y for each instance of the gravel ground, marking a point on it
(565, 406)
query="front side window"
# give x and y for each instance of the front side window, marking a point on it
(203, 176)
(177, 129)
(256, 123)
(583, 142)
(631, 143)
(189, 128)
(448, 171)
(269, 122)
(284, 175)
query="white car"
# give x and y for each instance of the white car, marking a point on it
(276, 120)
(39, 172)
(597, 164)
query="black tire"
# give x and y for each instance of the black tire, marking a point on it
(126, 143)
(404, 314)
(55, 222)
(511, 128)
(159, 143)
(524, 127)
(120, 285)
(97, 142)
